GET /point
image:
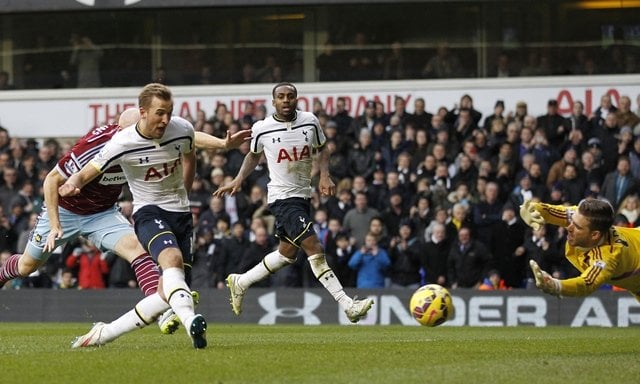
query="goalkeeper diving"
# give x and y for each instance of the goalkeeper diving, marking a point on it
(603, 253)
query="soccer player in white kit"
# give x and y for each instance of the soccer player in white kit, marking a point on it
(290, 140)
(157, 156)
(92, 213)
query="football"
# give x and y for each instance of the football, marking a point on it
(431, 305)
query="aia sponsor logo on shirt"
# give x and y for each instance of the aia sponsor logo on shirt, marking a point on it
(295, 154)
(162, 171)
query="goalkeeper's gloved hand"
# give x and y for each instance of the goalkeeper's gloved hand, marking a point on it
(530, 215)
(544, 281)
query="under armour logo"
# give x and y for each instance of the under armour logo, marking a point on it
(311, 303)
(275, 139)
(159, 222)
(168, 242)
(144, 160)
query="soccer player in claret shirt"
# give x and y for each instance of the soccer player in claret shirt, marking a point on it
(290, 140)
(603, 253)
(92, 213)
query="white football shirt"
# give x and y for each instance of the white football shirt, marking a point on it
(153, 168)
(288, 147)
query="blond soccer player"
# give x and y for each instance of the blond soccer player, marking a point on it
(157, 156)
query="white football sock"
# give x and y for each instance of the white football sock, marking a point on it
(325, 275)
(143, 314)
(178, 293)
(269, 264)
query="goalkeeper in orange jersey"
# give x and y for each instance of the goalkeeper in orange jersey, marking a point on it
(603, 253)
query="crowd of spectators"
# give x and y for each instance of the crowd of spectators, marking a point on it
(350, 59)
(421, 197)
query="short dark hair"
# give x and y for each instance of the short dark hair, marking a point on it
(599, 212)
(283, 84)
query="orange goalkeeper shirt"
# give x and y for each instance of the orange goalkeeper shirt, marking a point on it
(615, 261)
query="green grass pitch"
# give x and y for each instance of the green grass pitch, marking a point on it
(41, 353)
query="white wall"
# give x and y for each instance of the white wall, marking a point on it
(72, 112)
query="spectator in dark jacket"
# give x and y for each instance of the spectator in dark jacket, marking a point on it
(555, 126)
(362, 159)
(508, 252)
(405, 261)
(434, 256)
(487, 213)
(469, 261)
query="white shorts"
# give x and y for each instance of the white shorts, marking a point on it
(103, 229)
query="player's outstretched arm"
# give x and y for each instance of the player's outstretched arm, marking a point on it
(78, 180)
(51, 184)
(205, 141)
(230, 188)
(544, 281)
(530, 215)
(249, 163)
(235, 140)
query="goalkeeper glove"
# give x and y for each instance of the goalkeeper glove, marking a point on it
(530, 215)
(544, 281)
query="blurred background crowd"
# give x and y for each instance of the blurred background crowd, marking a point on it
(427, 196)
(422, 197)
(177, 43)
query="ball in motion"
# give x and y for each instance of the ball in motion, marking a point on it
(431, 305)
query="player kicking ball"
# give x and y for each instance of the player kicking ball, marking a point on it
(290, 140)
(102, 333)
(157, 156)
(603, 253)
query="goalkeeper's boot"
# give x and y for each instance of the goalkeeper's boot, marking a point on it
(198, 331)
(169, 321)
(91, 338)
(236, 293)
(358, 309)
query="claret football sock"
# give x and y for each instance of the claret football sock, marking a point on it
(147, 274)
(9, 269)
